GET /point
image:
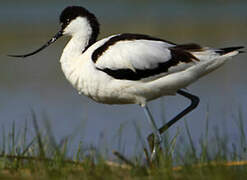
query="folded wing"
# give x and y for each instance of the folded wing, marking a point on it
(140, 58)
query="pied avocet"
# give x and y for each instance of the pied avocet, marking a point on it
(131, 68)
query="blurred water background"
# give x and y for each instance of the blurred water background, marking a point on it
(37, 83)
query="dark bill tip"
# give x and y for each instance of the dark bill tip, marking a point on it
(52, 40)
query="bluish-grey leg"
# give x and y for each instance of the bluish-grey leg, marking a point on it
(157, 136)
(194, 102)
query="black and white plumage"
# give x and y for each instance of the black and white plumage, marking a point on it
(139, 57)
(131, 68)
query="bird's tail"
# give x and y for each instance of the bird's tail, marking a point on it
(233, 50)
(214, 58)
(207, 54)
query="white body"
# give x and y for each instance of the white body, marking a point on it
(81, 71)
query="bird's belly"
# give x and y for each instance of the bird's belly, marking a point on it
(104, 89)
(114, 99)
(114, 91)
(108, 94)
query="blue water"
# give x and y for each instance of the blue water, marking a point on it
(40, 12)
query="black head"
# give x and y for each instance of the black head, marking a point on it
(72, 12)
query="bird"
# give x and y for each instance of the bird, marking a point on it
(131, 68)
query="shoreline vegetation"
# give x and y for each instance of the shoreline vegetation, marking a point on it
(43, 158)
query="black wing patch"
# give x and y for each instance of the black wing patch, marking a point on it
(192, 47)
(177, 55)
(123, 37)
(223, 51)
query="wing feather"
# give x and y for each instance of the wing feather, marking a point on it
(137, 59)
(137, 54)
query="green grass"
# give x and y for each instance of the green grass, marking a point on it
(41, 157)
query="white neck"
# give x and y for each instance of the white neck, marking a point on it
(80, 31)
(74, 48)
(71, 53)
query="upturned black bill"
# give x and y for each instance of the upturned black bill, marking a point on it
(57, 36)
